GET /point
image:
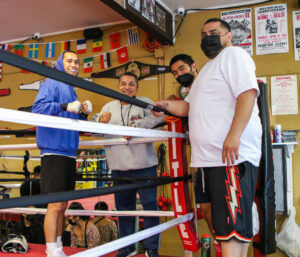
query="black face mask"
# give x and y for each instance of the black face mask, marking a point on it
(186, 79)
(211, 45)
(71, 222)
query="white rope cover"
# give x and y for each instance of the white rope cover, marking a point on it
(92, 212)
(87, 143)
(8, 186)
(80, 125)
(128, 240)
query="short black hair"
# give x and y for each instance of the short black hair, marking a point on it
(37, 170)
(78, 206)
(182, 57)
(101, 206)
(224, 24)
(129, 73)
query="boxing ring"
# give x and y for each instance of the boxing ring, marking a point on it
(176, 137)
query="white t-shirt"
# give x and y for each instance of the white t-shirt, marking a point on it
(212, 100)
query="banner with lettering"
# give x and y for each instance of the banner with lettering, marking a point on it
(271, 29)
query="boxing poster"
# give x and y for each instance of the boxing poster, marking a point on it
(296, 32)
(284, 96)
(240, 22)
(142, 70)
(148, 9)
(271, 29)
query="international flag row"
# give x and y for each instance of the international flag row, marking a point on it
(50, 48)
(105, 60)
(81, 45)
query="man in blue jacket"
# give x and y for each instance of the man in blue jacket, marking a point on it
(58, 146)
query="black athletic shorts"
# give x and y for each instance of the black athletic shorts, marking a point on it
(231, 191)
(58, 173)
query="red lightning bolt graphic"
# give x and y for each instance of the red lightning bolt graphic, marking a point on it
(233, 191)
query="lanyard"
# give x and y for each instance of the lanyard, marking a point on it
(127, 115)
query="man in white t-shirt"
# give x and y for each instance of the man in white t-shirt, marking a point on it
(225, 134)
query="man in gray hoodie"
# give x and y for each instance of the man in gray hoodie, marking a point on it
(136, 160)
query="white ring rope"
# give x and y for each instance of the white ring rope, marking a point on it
(80, 125)
(87, 143)
(91, 212)
(128, 240)
(9, 186)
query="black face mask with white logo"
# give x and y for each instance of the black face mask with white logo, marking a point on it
(211, 45)
(186, 79)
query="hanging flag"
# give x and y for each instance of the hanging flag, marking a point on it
(5, 46)
(81, 46)
(105, 60)
(88, 64)
(33, 51)
(115, 40)
(122, 54)
(133, 36)
(1, 71)
(19, 49)
(50, 50)
(65, 46)
(97, 45)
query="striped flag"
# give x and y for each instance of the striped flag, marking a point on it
(97, 45)
(88, 64)
(50, 50)
(33, 51)
(65, 46)
(1, 71)
(81, 46)
(19, 49)
(5, 46)
(133, 36)
(105, 60)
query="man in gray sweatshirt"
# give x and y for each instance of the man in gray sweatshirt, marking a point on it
(136, 160)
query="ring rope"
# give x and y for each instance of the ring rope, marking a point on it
(92, 212)
(96, 179)
(80, 125)
(128, 240)
(78, 194)
(103, 142)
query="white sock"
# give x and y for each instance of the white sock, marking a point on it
(59, 242)
(51, 246)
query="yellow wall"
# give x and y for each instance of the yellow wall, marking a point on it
(187, 41)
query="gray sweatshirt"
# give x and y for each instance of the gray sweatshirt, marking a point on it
(135, 156)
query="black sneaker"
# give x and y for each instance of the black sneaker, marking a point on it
(126, 253)
(152, 253)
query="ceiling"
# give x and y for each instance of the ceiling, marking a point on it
(20, 19)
